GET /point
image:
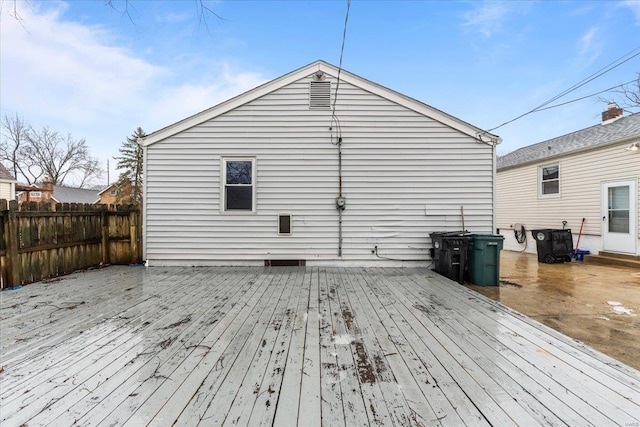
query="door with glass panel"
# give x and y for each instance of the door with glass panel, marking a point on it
(619, 216)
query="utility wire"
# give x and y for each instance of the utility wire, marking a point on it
(635, 52)
(344, 37)
(587, 96)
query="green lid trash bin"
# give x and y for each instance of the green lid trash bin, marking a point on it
(484, 259)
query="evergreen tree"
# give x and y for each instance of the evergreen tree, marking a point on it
(130, 163)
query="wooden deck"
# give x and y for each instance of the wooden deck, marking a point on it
(288, 346)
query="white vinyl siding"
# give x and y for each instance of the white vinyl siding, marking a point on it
(582, 177)
(7, 191)
(404, 175)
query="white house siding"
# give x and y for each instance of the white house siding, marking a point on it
(404, 176)
(581, 178)
(7, 190)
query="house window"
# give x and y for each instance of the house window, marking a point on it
(239, 184)
(549, 180)
(36, 194)
(114, 192)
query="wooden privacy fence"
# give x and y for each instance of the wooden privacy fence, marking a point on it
(38, 243)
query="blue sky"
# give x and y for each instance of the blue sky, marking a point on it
(83, 68)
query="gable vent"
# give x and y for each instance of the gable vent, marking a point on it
(319, 95)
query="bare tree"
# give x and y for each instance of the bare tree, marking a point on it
(14, 140)
(626, 96)
(62, 157)
(203, 10)
(33, 154)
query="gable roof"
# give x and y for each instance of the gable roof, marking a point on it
(5, 175)
(623, 129)
(62, 194)
(331, 70)
(108, 187)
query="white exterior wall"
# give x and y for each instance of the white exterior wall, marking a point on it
(7, 190)
(581, 178)
(404, 176)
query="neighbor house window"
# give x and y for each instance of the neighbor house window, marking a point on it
(239, 184)
(36, 194)
(114, 192)
(550, 180)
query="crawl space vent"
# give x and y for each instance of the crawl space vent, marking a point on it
(319, 95)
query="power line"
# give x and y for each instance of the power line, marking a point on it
(344, 37)
(587, 96)
(635, 52)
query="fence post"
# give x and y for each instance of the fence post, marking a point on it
(104, 244)
(11, 233)
(133, 235)
(5, 243)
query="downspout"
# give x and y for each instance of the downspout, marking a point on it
(493, 188)
(145, 153)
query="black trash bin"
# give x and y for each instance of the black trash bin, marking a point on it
(449, 254)
(553, 245)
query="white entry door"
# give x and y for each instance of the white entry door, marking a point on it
(619, 216)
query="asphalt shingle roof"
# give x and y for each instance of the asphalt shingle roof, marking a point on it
(600, 134)
(64, 194)
(5, 174)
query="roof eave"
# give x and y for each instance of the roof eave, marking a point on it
(568, 153)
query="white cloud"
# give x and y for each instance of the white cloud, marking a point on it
(80, 79)
(585, 43)
(589, 48)
(61, 70)
(634, 5)
(190, 98)
(486, 19)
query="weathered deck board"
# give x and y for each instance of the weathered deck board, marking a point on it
(292, 346)
(611, 406)
(178, 335)
(310, 402)
(292, 376)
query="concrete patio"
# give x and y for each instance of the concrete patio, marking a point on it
(594, 302)
(288, 346)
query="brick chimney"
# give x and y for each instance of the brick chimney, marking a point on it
(612, 113)
(47, 184)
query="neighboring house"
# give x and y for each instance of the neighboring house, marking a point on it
(109, 195)
(115, 194)
(264, 177)
(49, 193)
(7, 184)
(592, 173)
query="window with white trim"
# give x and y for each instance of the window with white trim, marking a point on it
(36, 194)
(549, 178)
(239, 189)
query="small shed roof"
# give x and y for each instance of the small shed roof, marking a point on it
(333, 71)
(623, 129)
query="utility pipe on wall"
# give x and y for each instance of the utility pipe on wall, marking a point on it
(340, 200)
